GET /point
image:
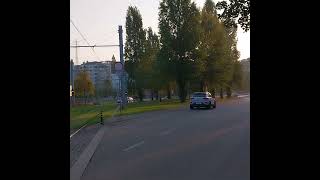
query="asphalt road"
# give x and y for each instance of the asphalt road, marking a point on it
(178, 144)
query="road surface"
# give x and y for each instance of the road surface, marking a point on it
(178, 144)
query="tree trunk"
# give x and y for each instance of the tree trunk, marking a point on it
(157, 94)
(182, 91)
(140, 94)
(152, 95)
(201, 86)
(85, 97)
(228, 89)
(221, 93)
(168, 92)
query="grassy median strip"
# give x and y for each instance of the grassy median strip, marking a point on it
(141, 107)
(89, 114)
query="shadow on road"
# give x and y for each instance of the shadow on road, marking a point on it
(201, 109)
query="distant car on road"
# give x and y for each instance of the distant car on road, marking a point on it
(130, 100)
(165, 98)
(235, 94)
(202, 99)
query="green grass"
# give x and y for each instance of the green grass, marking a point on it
(83, 114)
(89, 114)
(136, 108)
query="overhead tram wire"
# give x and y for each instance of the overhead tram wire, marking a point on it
(84, 39)
(97, 46)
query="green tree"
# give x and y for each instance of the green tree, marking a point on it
(145, 72)
(233, 54)
(151, 55)
(236, 82)
(235, 11)
(245, 65)
(134, 48)
(237, 78)
(212, 48)
(179, 30)
(104, 89)
(216, 51)
(83, 85)
(161, 76)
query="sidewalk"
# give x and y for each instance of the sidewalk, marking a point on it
(80, 141)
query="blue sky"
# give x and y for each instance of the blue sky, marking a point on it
(98, 21)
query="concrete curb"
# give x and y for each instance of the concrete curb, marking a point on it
(80, 165)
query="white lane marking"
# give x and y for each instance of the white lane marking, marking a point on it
(77, 131)
(133, 146)
(163, 133)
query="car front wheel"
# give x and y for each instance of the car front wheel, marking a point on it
(214, 105)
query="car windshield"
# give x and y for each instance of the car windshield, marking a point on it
(199, 95)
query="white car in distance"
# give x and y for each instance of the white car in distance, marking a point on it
(202, 99)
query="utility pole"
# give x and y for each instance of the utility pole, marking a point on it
(123, 97)
(122, 74)
(77, 53)
(72, 81)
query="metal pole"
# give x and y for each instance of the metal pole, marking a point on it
(77, 52)
(122, 62)
(119, 91)
(101, 116)
(72, 79)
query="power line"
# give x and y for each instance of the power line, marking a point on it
(84, 39)
(74, 41)
(96, 46)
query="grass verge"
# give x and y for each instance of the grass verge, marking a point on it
(89, 114)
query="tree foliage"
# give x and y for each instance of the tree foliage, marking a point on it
(145, 67)
(195, 50)
(83, 85)
(217, 51)
(104, 89)
(150, 64)
(179, 36)
(134, 48)
(237, 78)
(212, 49)
(235, 12)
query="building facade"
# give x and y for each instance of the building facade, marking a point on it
(99, 72)
(116, 80)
